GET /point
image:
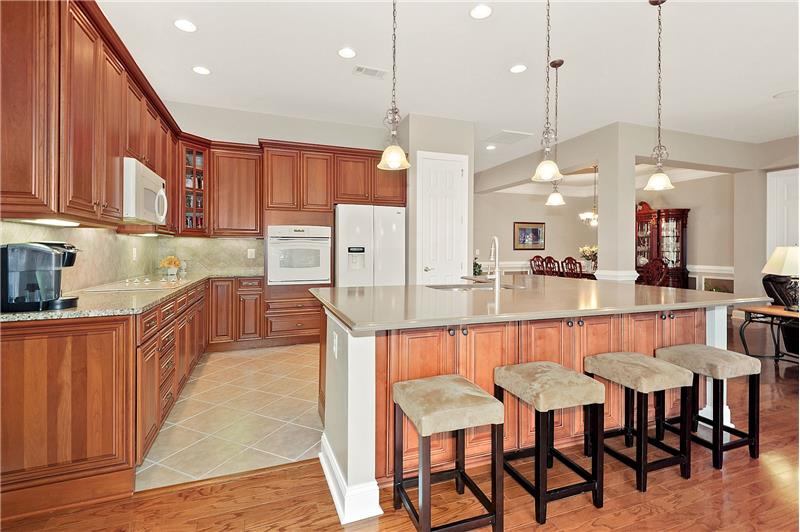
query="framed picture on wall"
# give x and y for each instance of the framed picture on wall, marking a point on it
(528, 235)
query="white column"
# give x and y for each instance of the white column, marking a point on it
(717, 336)
(348, 440)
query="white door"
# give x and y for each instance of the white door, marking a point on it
(354, 247)
(442, 203)
(782, 211)
(389, 233)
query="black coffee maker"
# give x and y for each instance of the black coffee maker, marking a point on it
(31, 276)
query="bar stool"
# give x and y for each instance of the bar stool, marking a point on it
(547, 387)
(641, 374)
(446, 403)
(719, 365)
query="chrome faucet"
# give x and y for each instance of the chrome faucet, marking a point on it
(494, 254)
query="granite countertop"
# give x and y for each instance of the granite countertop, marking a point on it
(92, 303)
(368, 309)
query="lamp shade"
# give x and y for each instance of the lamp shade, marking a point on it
(393, 158)
(547, 171)
(555, 199)
(659, 181)
(784, 261)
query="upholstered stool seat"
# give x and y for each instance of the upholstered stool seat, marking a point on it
(638, 372)
(719, 365)
(640, 375)
(547, 387)
(446, 403)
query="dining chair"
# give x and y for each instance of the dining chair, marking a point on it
(537, 265)
(551, 267)
(571, 268)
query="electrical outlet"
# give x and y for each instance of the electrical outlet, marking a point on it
(251, 253)
(134, 255)
(335, 345)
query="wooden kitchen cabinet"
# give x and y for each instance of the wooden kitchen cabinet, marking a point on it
(352, 179)
(222, 320)
(148, 404)
(29, 108)
(112, 139)
(151, 134)
(193, 197)
(134, 105)
(316, 192)
(249, 320)
(236, 189)
(388, 186)
(282, 175)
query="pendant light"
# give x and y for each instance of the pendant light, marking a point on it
(659, 180)
(590, 217)
(547, 170)
(394, 157)
(555, 199)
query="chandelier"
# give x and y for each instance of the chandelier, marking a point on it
(590, 217)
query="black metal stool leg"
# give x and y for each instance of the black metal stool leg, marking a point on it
(695, 401)
(551, 429)
(587, 430)
(687, 411)
(460, 461)
(660, 400)
(598, 453)
(717, 423)
(398, 456)
(628, 417)
(754, 390)
(424, 484)
(641, 441)
(540, 466)
(497, 476)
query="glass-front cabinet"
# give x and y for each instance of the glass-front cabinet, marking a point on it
(194, 197)
(661, 234)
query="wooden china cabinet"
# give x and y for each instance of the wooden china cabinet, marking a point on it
(661, 233)
(194, 186)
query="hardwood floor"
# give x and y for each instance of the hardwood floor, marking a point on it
(746, 495)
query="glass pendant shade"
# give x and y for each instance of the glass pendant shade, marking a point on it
(659, 181)
(585, 216)
(593, 221)
(547, 171)
(393, 158)
(555, 199)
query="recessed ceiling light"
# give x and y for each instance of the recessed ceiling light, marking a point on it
(347, 53)
(480, 11)
(518, 69)
(185, 25)
(491, 147)
(203, 71)
(785, 95)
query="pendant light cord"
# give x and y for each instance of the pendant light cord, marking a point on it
(547, 131)
(394, 56)
(555, 118)
(594, 203)
(660, 150)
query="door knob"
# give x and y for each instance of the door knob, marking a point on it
(427, 268)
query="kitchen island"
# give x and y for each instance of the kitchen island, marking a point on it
(376, 336)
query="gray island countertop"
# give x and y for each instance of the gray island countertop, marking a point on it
(369, 309)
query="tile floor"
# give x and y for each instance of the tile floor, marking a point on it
(240, 410)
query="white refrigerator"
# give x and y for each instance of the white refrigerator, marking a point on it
(370, 245)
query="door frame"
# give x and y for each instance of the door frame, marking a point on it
(776, 203)
(421, 156)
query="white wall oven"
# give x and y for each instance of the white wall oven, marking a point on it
(298, 254)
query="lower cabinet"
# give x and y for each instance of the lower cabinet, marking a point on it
(222, 321)
(148, 397)
(249, 321)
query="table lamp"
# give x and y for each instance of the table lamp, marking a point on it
(780, 281)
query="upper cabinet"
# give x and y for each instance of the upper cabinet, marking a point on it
(112, 138)
(388, 186)
(193, 199)
(151, 135)
(282, 175)
(237, 192)
(315, 187)
(134, 103)
(352, 179)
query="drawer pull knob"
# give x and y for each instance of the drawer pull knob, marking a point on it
(299, 324)
(299, 305)
(451, 332)
(570, 323)
(580, 323)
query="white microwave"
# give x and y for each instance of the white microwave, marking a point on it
(298, 254)
(145, 197)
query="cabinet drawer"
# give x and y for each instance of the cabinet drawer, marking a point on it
(167, 340)
(147, 325)
(167, 395)
(167, 312)
(249, 283)
(167, 362)
(181, 302)
(293, 324)
(293, 304)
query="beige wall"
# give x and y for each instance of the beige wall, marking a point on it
(496, 212)
(750, 230)
(710, 227)
(243, 126)
(214, 255)
(104, 255)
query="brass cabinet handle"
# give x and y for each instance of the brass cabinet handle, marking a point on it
(250, 283)
(151, 322)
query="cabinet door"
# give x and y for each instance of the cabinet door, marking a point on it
(151, 132)
(316, 182)
(388, 186)
(482, 349)
(250, 320)
(182, 352)
(112, 136)
(134, 115)
(222, 311)
(545, 340)
(353, 175)
(237, 193)
(644, 333)
(148, 398)
(162, 150)
(414, 354)
(29, 107)
(80, 78)
(684, 327)
(191, 346)
(282, 169)
(597, 335)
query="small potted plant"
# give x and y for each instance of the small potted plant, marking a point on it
(171, 263)
(589, 254)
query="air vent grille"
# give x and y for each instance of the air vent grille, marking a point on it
(369, 72)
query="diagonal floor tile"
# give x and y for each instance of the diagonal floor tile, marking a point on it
(203, 456)
(309, 418)
(220, 394)
(213, 419)
(187, 408)
(283, 386)
(289, 441)
(249, 429)
(286, 408)
(247, 460)
(157, 476)
(252, 400)
(171, 440)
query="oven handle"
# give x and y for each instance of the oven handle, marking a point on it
(300, 238)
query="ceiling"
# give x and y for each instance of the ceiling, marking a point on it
(723, 62)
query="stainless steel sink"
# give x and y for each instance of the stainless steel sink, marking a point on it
(469, 287)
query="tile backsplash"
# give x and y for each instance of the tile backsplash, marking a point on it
(214, 255)
(104, 255)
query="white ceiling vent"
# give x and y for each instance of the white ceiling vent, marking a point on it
(507, 136)
(370, 72)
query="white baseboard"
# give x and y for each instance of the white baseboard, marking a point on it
(353, 503)
(616, 275)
